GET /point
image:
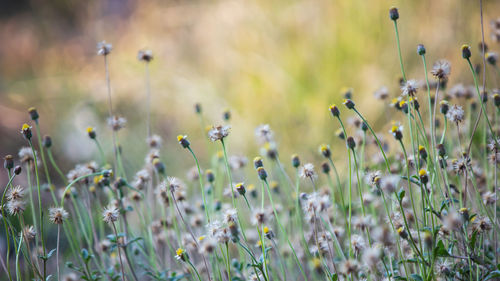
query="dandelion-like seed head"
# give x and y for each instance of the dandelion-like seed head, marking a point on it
(103, 48)
(16, 207)
(16, 193)
(110, 214)
(455, 114)
(307, 171)
(441, 69)
(145, 55)
(409, 88)
(218, 132)
(57, 215)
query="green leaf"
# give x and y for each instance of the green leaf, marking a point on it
(51, 253)
(416, 277)
(401, 195)
(493, 274)
(440, 250)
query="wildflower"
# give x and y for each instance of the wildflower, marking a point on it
(257, 162)
(325, 150)
(397, 132)
(47, 141)
(424, 178)
(420, 49)
(373, 178)
(340, 133)
(145, 55)
(262, 173)
(240, 188)
(103, 48)
(350, 267)
(382, 93)
(334, 109)
(371, 256)
(357, 243)
(197, 108)
(208, 246)
(26, 131)
(466, 53)
(110, 214)
(226, 115)
(460, 165)
(264, 134)
(57, 215)
(154, 141)
(218, 133)
(209, 175)
(91, 132)
(492, 58)
(325, 167)
(259, 218)
(489, 198)
(29, 232)
(351, 143)
(16, 207)
(181, 254)
(394, 13)
(482, 224)
(16, 193)
(295, 161)
(230, 215)
(410, 88)
(174, 183)
(159, 165)
(183, 141)
(422, 152)
(307, 171)
(33, 113)
(237, 162)
(441, 150)
(8, 162)
(117, 123)
(453, 221)
(268, 232)
(402, 232)
(349, 103)
(441, 69)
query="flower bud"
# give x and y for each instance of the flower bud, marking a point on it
(351, 143)
(209, 174)
(466, 53)
(325, 151)
(444, 107)
(8, 162)
(325, 167)
(26, 131)
(33, 113)
(334, 109)
(421, 49)
(394, 14)
(18, 169)
(349, 103)
(183, 141)
(91, 132)
(496, 100)
(47, 141)
(262, 173)
(240, 188)
(226, 115)
(257, 162)
(441, 150)
(295, 161)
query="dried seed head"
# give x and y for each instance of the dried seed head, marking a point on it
(110, 214)
(16, 207)
(307, 171)
(57, 215)
(218, 132)
(16, 193)
(103, 48)
(145, 55)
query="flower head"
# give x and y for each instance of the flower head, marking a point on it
(218, 132)
(117, 123)
(455, 114)
(145, 55)
(307, 171)
(103, 48)
(57, 215)
(26, 131)
(441, 69)
(410, 88)
(110, 214)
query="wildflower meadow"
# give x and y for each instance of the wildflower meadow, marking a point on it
(411, 195)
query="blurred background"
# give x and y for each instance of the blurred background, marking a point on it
(279, 62)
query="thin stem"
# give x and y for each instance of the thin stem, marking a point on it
(119, 251)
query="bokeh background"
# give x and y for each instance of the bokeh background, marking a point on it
(281, 62)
